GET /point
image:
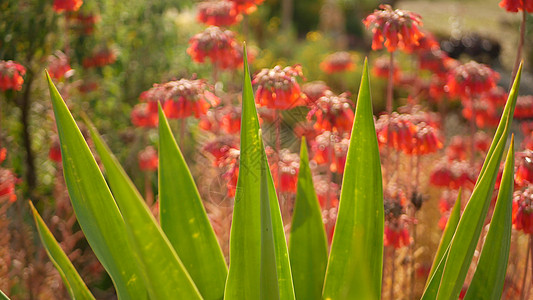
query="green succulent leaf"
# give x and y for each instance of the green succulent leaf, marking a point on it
(3, 296)
(308, 246)
(250, 247)
(469, 228)
(162, 270)
(356, 257)
(184, 220)
(72, 280)
(489, 277)
(94, 206)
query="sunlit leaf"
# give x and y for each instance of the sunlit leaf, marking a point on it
(95, 208)
(162, 271)
(72, 280)
(184, 220)
(489, 277)
(356, 257)
(308, 246)
(469, 228)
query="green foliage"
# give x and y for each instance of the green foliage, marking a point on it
(145, 259)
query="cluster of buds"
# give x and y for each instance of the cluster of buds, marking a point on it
(523, 210)
(327, 192)
(517, 5)
(7, 181)
(331, 148)
(101, 57)
(524, 107)
(333, 112)
(314, 90)
(471, 79)
(277, 88)
(396, 29)
(181, 98)
(218, 13)
(143, 116)
(58, 66)
(452, 174)
(220, 149)
(337, 62)
(218, 45)
(148, 159)
(11, 75)
(287, 166)
(67, 5)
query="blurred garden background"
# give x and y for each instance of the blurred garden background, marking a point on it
(105, 57)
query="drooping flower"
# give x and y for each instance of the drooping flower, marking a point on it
(427, 42)
(220, 148)
(524, 170)
(216, 44)
(181, 98)
(324, 189)
(397, 235)
(7, 185)
(148, 159)
(426, 140)
(231, 120)
(470, 79)
(452, 174)
(54, 154)
(67, 5)
(486, 115)
(457, 149)
(333, 112)
(395, 131)
(101, 57)
(285, 171)
(142, 116)
(277, 88)
(523, 210)
(331, 148)
(517, 5)
(396, 29)
(58, 66)
(337, 62)
(11, 75)
(218, 13)
(246, 6)
(524, 107)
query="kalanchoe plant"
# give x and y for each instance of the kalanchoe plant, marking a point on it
(181, 259)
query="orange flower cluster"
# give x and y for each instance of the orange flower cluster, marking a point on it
(452, 174)
(11, 75)
(381, 67)
(288, 165)
(457, 149)
(246, 6)
(58, 66)
(143, 116)
(314, 90)
(330, 147)
(181, 98)
(523, 210)
(408, 134)
(231, 121)
(337, 62)
(396, 29)
(67, 5)
(524, 107)
(277, 88)
(218, 13)
(102, 57)
(486, 115)
(323, 186)
(148, 159)
(7, 181)
(524, 170)
(83, 23)
(470, 79)
(333, 112)
(220, 149)
(218, 45)
(517, 5)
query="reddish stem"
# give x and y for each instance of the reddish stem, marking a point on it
(523, 289)
(390, 84)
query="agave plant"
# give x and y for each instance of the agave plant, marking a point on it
(179, 258)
